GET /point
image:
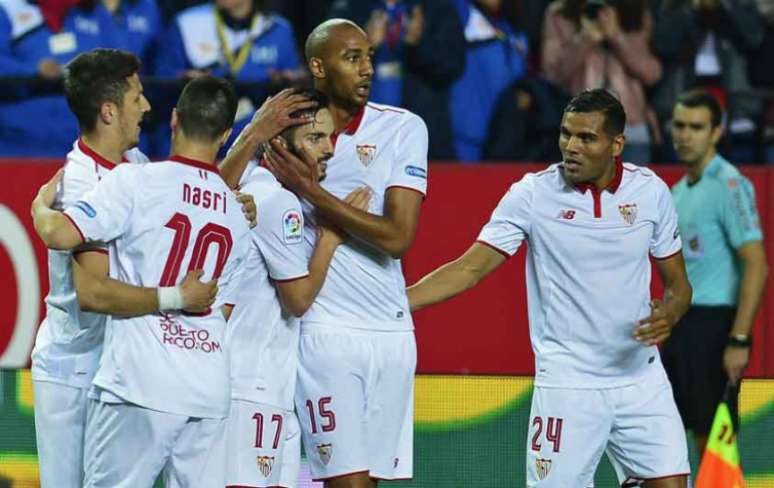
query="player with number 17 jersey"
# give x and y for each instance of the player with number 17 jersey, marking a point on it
(160, 220)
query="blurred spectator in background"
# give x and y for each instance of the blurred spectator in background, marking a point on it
(138, 25)
(726, 263)
(762, 77)
(702, 44)
(495, 57)
(37, 39)
(305, 15)
(605, 44)
(417, 45)
(236, 39)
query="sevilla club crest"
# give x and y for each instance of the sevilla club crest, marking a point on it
(543, 467)
(366, 153)
(265, 463)
(628, 212)
(325, 451)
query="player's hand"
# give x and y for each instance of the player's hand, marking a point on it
(359, 198)
(328, 232)
(299, 174)
(47, 192)
(735, 360)
(248, 207)
(197, 296)
(657, 327)
(274, 115)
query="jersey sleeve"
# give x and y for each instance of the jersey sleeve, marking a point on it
(279, 236)
(104, 213)
(410, 167)
(510, 222)
(665, 240)
(77, 181)
(739, 214)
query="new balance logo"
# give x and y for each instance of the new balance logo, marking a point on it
(566, 214)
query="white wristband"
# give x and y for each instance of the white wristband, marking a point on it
(170, 298)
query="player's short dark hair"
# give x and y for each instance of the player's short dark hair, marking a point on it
(206, 108)
(96, 77)
(702, 98)
(321, 101)
(600, 100)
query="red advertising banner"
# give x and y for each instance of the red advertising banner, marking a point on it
(482, 332)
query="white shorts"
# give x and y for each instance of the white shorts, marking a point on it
(263, 446)
(355, 402)
(637, 425)
(127, 446)
(60, 420)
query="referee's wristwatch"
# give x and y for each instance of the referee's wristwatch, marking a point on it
(740, 340)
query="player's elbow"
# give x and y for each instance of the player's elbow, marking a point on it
(297, 305)
(398, 246)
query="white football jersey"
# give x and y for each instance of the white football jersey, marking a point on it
(262, 338)
(588, 270)
(162, 220)
(383, 147)
(69, 341)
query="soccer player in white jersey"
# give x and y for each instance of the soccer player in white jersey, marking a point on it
(105, 94)
(593, 223)
(279, 285)
(357, 354)
(161, 392)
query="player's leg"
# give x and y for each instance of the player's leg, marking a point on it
(567, 434)
(390, 406)
(60, 420)
(126, 445)
(256, 437)
(331, 404)
(198, 457)
(693, 359)
(647, 444)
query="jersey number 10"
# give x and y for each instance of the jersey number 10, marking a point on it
(209, 234)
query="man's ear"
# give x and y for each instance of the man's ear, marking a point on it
(224, 137)
(316, 68)
(107, 112)
(173, 120)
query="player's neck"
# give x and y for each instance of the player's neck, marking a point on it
(107, 147)
(607, 177)
(695, 170)
(198, 151)
(342, 116)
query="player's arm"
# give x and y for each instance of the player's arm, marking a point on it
(391, 233)
(270, 120)
(54, 228)
(298, 295)
(755, 272)
(99, 293)
(455, 277)
(665, 313)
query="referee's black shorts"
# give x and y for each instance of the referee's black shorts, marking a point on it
(693, 358)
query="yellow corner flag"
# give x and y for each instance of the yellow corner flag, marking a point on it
(720, 466)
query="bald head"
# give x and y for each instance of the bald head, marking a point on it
(320, 39)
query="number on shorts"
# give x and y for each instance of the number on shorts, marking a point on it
(328, 415)
(553, 432)
(258, 416)
(208, 235)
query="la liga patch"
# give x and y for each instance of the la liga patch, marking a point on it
(292, 227)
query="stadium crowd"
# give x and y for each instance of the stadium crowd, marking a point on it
(523, 60)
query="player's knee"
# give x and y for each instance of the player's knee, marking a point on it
(356, 480)
(671, 482)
